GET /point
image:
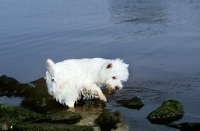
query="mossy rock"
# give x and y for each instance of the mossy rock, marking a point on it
(23, 119)
(34, 102)
(5, 81)
(17, 113)
(134, 103)
(38, 99)
(40, 88)
(20, 89)
(186, 126)
(107, 120)
(65, 116)
(40, 81)
(169, 111)
(12, 87)
(7, 117)
(10, 116)
(42, 104)
(50, 127)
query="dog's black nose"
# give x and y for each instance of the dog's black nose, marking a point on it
(117, 88)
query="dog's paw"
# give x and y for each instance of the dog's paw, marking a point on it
(103, 98)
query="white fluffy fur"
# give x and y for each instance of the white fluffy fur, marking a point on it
(67, 80)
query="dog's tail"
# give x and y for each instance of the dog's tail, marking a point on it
(50, 66)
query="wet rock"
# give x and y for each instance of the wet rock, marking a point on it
(168, 112)
(187, 126)
(35, 93)
(50, 127)
(40, 89)
(6, 81)
(40, 81)
(17, 113)
(38, 98)
(11, 87)
(2, 93)
(68, 117)
(20, 89)
(134, 103)
(10, 116)
(107, 120)
(22, 119)
(42, 104)
(35, 103)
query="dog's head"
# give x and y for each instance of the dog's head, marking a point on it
(113, 74)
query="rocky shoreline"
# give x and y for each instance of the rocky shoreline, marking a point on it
(39, 111)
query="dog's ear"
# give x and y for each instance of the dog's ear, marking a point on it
(50, 66)
(109, 66)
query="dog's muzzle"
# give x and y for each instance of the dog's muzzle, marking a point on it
(111, 90)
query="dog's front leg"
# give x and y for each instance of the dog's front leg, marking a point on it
(97, 90)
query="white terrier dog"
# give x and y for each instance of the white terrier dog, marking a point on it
(67, 81)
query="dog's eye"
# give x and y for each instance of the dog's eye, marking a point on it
(114, 77)
(52, 79)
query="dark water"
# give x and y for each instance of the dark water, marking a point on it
(159, 39)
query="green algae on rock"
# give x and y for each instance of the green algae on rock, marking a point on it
(10, 116)
(17, 113)
(107, 120)
(68, 117)
(50, 127)
(22, 119)
(134, 103)
(168, 112)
